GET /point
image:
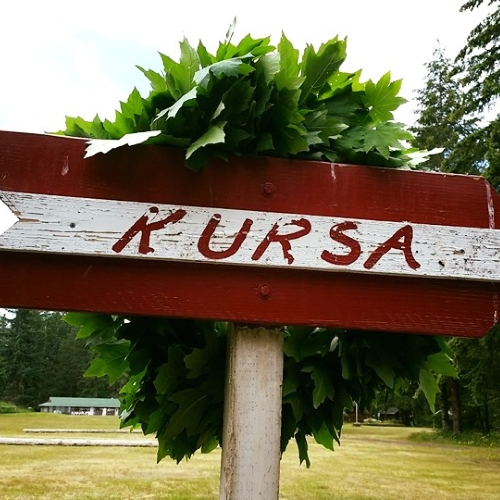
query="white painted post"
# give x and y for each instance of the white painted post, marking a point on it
(357, 423)
(251, 454)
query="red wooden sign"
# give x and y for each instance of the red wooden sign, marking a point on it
(255, 240)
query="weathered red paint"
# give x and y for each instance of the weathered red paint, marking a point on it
(143, 226)
(206, 235)
(55, 165)
(400, 240)
(337, 234)
(274, 236)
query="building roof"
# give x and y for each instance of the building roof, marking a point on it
(390, 411)
(83, 402)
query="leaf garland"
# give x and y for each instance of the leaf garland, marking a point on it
(256, 99)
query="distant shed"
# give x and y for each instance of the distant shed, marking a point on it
(81, 406)
(392, 413)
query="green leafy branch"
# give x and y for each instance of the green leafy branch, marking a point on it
(176, 373)
(256, 99)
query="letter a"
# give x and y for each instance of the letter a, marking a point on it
(400, 240)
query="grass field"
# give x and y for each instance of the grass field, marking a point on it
(373, 463)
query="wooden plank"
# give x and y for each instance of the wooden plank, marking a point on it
(86, 226)
(19, 441)
(262, 296)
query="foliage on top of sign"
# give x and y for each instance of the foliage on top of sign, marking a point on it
(252, 98)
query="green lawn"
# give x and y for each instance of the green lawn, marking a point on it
(372, 463)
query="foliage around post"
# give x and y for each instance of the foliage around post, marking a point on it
(254, 99)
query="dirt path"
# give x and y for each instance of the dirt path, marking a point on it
(78, 442)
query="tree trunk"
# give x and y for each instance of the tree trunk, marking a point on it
(445, 404)
(480, 418)
(486, 414)
(456, 406)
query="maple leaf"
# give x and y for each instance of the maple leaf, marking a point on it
(384, 136)
(382, 98)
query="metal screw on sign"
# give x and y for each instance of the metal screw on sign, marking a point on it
(265, 291)
(268, 189)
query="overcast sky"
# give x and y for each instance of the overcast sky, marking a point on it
(78, 58)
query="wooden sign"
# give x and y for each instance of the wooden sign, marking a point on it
(266, 241)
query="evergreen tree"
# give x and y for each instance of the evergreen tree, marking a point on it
(479, 61)
(40, 357)
(478, 364)
(478, 65)
(443, 123)
(3, 360)
(24, 345)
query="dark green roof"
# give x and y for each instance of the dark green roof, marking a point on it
(83, 402)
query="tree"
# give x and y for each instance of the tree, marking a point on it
(492, 155)
(24, 351)
(477, 65)
(444, 406)
(478, 365)
(39, 358)
(478, 61)
(442, 121)
(455, 97)
(3, 359)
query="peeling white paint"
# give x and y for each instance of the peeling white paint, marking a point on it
(332, 172)
(83, 226)
(491, 206)
(65, 168)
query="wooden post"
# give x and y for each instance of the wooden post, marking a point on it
(252, 414)
(357, 423)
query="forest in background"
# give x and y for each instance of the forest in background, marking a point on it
(41, 357)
